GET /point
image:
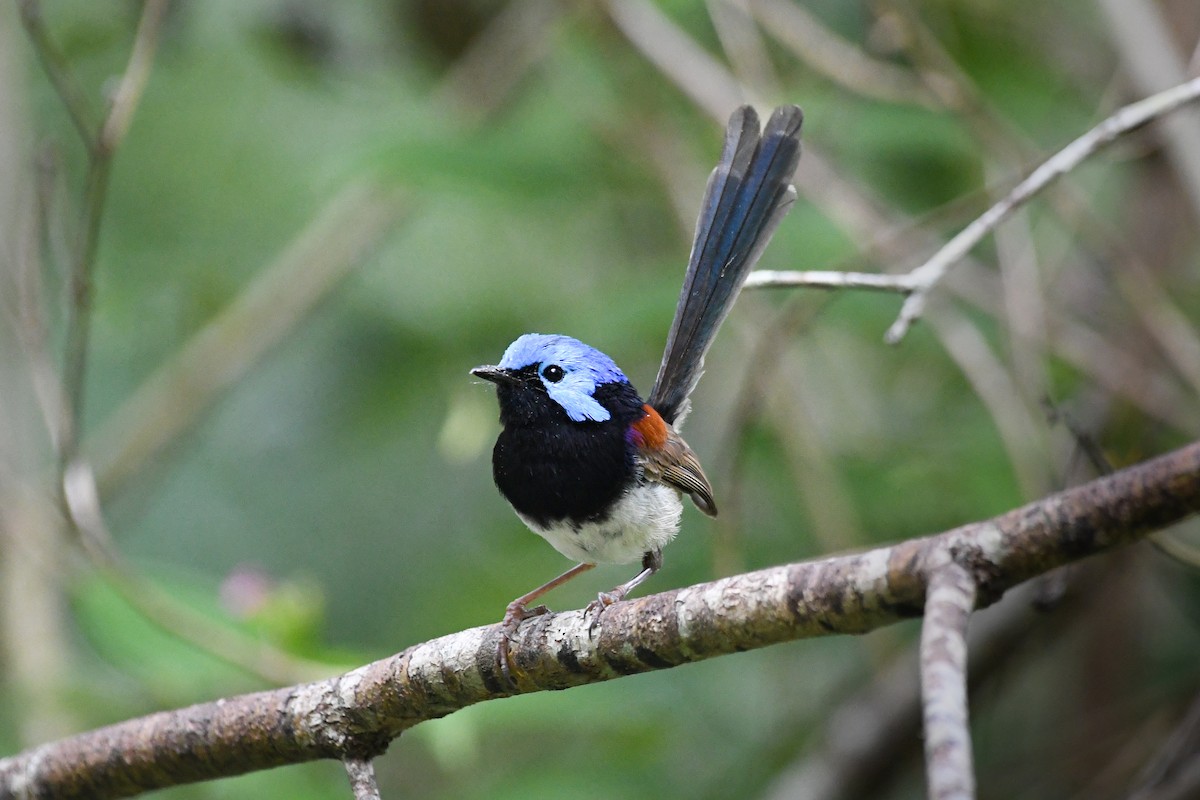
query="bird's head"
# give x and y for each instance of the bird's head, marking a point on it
(566, 370)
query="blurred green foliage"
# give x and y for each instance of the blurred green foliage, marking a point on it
(337, 502)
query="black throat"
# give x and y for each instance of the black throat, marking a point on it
(553, 469)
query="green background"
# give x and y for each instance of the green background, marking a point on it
(337, 499)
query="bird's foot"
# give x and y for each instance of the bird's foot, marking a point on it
(596, 607)
(651, 563)
(514, 615)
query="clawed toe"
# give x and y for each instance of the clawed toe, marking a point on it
(597, 607)
(514, 615)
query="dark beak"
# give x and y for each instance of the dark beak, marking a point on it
(496, 375)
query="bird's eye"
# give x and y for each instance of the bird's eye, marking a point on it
(553, 373)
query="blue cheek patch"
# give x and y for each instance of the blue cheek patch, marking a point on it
(577, 402)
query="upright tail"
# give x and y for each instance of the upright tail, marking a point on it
(748, 194)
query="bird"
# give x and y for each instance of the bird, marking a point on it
(585, 462)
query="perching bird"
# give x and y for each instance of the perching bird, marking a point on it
(583, 460)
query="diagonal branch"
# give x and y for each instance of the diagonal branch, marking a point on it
(356, 715)
(918, 283)
(1126, 119)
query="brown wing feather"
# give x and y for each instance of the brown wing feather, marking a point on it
(674, 464)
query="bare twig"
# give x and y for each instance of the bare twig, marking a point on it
(949, 600)
(39, 549)
(1123, 121)
(133, 81)
(324, 253)
(1109, 361)
(101, 144)
(362, 778)
(79, 307)
(772, 279)
(60, 75)
(355, 715)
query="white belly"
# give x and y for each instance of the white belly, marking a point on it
(646, 518)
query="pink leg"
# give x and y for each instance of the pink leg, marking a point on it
(518, 611)
(651, 563)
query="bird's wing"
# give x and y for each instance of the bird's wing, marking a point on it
(747, 195)
(674, 464)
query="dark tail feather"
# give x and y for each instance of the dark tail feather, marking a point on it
(748, 194)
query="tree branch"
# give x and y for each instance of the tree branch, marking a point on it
(765, 278)
(1125, 119)
(918, 283)
(949, 600)
(362, 778)
(356, 715)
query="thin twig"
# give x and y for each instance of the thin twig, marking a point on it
(362, 778)
(949, 600)
(816, 279)
(1123, 121)
(133, 82)
(79, 306)
(353, 223)
(101, 143)
(60, 75)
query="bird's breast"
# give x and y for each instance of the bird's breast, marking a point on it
(570, 472)
(553, 469)
(645, 517)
